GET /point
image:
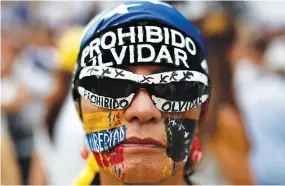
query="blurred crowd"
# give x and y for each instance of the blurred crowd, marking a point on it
(242, 138)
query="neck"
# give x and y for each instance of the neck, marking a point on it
(177, 179)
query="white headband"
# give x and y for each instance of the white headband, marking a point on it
(159, 78)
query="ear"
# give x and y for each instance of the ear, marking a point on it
(231, 147)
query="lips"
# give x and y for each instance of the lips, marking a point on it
(145, 142)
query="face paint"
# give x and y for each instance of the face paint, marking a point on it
(174, 168)
(105, 134)
(180, 133)
(97, 121)
(107, 159)
(106, 140)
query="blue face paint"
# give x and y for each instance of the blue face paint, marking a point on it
(106, 140)
(180, 134)
(174, 167)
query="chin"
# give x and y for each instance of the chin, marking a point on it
(144, 168)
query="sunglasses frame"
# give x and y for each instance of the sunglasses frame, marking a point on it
(144, 81)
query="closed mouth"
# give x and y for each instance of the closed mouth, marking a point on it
(145, 142)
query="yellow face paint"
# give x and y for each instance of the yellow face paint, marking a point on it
(170, 171)
(165, 166)
(97, 121)
(105, 131)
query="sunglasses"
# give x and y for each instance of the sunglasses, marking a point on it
(173, 91)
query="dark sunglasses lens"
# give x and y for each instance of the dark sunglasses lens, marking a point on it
(107, 87)
(180, 91)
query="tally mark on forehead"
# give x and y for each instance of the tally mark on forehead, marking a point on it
(158, 78)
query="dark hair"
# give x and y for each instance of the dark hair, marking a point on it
(219, 45)
(219, 41)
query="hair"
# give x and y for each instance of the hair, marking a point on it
(219, 43)
(219, 40)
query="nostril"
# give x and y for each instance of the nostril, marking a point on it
(153, 120)
(135, 118)
(143, 119)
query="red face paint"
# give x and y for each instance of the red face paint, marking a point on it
(123, 176)
(98, 159)
(106, 159)
(117, 156)
(118, 118)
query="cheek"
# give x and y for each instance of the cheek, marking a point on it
(180, 134)
(105, 132)
(88, 107)
(193, 113)
(190, 114)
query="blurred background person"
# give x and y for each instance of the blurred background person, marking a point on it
(11, 102)
(234, 153)
(259, 84)
(16, 35)
(33, 69)
(63, 128)
(258, 68)
(65, 134)
(223, 149)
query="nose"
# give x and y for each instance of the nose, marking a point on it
(142, 109)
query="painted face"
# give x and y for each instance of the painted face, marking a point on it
(141, 87)
(139, 144)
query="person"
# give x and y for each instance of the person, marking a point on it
(10, 102)
(222, 134)
(33, 67)
(264, 112)
(66, 136)
(141, 89)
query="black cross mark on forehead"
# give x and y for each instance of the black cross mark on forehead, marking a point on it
(92, 70)
(187, 75)
(105, 71)
(119, 73)
(146, 79)
(173, 76)
(162, 78)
